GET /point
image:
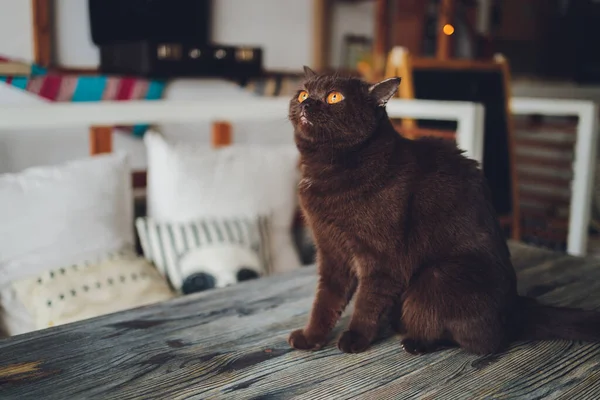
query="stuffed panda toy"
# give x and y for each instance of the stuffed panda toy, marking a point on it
(217, 267)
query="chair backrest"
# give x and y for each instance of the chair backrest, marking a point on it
(544, 167)
(485, 82)
(556, 163)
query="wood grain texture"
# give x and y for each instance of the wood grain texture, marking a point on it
(231, 344)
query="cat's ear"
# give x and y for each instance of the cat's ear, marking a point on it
(384, 90)
(309, 73)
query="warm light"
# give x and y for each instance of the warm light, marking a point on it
(448, 29)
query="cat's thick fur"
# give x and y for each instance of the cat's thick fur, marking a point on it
(407, 228)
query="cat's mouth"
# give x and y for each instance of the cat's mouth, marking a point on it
(304, 119)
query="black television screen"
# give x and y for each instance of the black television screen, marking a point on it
(115, 21)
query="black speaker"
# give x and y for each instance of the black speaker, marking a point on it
(114, 21)
(168, 60)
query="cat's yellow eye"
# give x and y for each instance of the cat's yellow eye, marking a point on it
(302, 96)
(334, 97)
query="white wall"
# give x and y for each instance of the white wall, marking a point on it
(73, 40)
(350, 18)
(16, 34)
(284, 29)
(284, 32)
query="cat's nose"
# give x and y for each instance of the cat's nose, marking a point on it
(307, 104)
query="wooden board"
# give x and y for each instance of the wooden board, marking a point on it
(41, 11)
(446, 11)
(231, 344)
(485, 82)
(321, 33)
(101, 140)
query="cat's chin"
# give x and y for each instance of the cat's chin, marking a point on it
(304, 121)
(305, 129)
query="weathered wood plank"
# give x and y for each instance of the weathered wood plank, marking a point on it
(231, 343)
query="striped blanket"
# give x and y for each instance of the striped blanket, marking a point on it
(83, 88)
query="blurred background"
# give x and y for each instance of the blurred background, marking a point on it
(550, 39)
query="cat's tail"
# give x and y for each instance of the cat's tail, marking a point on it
(541, 322)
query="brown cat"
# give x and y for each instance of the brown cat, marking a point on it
(409, 226)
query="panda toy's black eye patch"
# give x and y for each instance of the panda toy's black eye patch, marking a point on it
(246, 274)
(198, 283)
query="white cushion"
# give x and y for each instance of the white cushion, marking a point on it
(77, 292)
(62, 215)
(16, 319)
(188, 181)
(219, 247)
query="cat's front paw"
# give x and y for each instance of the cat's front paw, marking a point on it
(353, 342)
(299, 341)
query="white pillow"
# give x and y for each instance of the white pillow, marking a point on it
(188, 181)
(62, 215)
(77, 292)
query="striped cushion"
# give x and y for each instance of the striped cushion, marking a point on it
(218, 247)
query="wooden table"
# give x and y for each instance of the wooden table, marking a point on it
(231, 344)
